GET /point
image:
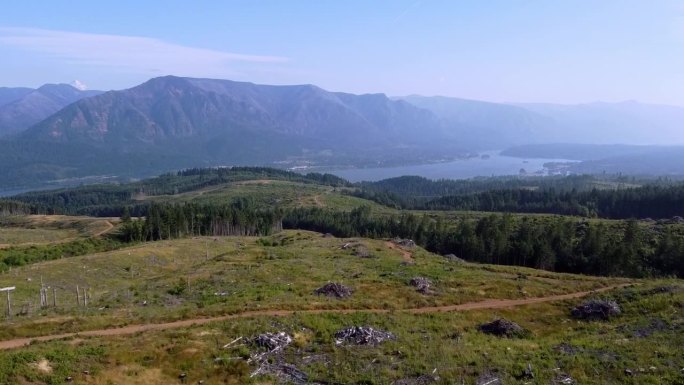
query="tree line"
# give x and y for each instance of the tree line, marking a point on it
(169, 221)
(109, 199)
(621, 248)
(656, 201)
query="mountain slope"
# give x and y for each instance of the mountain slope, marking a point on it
(8, 95)
(609, 123)
(36, 105)
(171, 108)
(171, 122)
(488, 125)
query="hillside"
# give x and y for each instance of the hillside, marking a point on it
(225, 291)
(10, 94)
(30, 107)
(218, 118)
(164, 296)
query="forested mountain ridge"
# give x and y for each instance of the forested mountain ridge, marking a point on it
(172, 108)
(32, 106)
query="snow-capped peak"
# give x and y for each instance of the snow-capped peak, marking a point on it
(78, 85)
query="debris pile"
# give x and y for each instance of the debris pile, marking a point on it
(454, 258)
(286, 373)
(273, 342)
(488, 379)
(502, 328)
(420, 380)
(563, 379)
(596, 310)
(407, 243)
(334, 289)
(362, 335)
(421, 284)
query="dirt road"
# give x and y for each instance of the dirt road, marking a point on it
(132, 329)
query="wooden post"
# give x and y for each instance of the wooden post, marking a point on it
(54, 297)
(78, 296)
(9, 300)
(85, 297)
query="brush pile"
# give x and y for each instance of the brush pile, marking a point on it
(502, 328)
(422, 284)
(334, 289)
(362, 335)
(596, 310)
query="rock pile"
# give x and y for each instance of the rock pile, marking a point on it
(362, 335)
(502, 328)
(334, 289)
(596, 310)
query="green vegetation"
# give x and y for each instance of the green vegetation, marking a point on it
(169, 260)
(585, 196)
(175, 279)
(543, 242)
(32, 239)
(205, 276)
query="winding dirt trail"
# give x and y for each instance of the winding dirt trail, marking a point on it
(109, 228)
(408, 257)
(132, 329)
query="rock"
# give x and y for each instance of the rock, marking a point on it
(333, 289)
(629, 372)
(362, 335)
(502, 328)
(596, 310)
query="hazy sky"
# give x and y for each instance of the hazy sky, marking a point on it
(522, 51)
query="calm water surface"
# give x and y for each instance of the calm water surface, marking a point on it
(495, 165)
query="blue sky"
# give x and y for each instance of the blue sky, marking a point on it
(558, 51)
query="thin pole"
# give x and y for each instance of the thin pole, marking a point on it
(9, 304)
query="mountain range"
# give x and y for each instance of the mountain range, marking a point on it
(60, 132)
(20, 108)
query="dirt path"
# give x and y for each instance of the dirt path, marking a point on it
(109, 228)
(408, 257)
(132, 329)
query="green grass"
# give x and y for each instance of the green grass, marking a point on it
(447, 344)
(271, 193)
(277, 272)
(19, 236)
